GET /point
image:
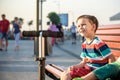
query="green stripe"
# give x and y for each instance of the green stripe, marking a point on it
(105, 52)
(91, 55)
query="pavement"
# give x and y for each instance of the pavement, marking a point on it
(20, 64)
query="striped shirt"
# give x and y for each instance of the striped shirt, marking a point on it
(97, 52)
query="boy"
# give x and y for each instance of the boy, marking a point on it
(111, 70)
(95, 52)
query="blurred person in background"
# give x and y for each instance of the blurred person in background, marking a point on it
(4, 28)
(73, 30)
(53, 27)
(16, 30)
(60, 28)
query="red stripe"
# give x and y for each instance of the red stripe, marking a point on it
(98, 61)
(100, 44)
(84, 46)
(97, 46)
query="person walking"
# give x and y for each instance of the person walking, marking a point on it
(16, 30)
(53, 27)
(73, 31)
(4, 28)
(0, 39)
(60, 28)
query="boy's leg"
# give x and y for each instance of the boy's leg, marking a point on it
(65, 76)
(107, 71)
(6, 40)
(90, 76)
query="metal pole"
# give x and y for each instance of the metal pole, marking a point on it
(41, 47)
(37, 39)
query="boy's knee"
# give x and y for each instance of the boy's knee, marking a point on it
(65, 75)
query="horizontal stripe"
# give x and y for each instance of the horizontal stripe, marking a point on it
(104, 47)
(100, 57)
(92, 53)
(105, 60)
(100, 45)
(105, 52)
(97, 46)
(96, 65)
(88, 50)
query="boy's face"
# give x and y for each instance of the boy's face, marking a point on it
(85, 28)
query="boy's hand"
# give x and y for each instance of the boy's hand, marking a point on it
(71, 68)
(86, 60)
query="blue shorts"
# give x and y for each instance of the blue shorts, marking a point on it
(0, 35)
(74, 36)
(4, 35)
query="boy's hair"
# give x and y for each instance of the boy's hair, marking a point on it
(92, 19)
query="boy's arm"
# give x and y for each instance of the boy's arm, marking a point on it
(81, 64)
(111, 58)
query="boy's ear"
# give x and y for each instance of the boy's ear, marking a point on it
(94, 27)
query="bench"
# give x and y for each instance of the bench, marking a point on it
(53, 71)
(110, 34)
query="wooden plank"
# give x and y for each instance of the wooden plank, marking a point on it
(109, 38)
(108, 32)
(111, 35)
(113, 44)
(53, 70)
(116, 53)
(105, 27)
(57, 67)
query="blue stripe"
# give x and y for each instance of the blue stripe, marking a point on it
(89, 50)
(104, 47)
(106, 52)
(90, 53)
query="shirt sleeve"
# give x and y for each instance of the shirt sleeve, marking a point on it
(82, 55)
(103, 49)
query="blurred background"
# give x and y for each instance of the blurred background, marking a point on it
(107, 11)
